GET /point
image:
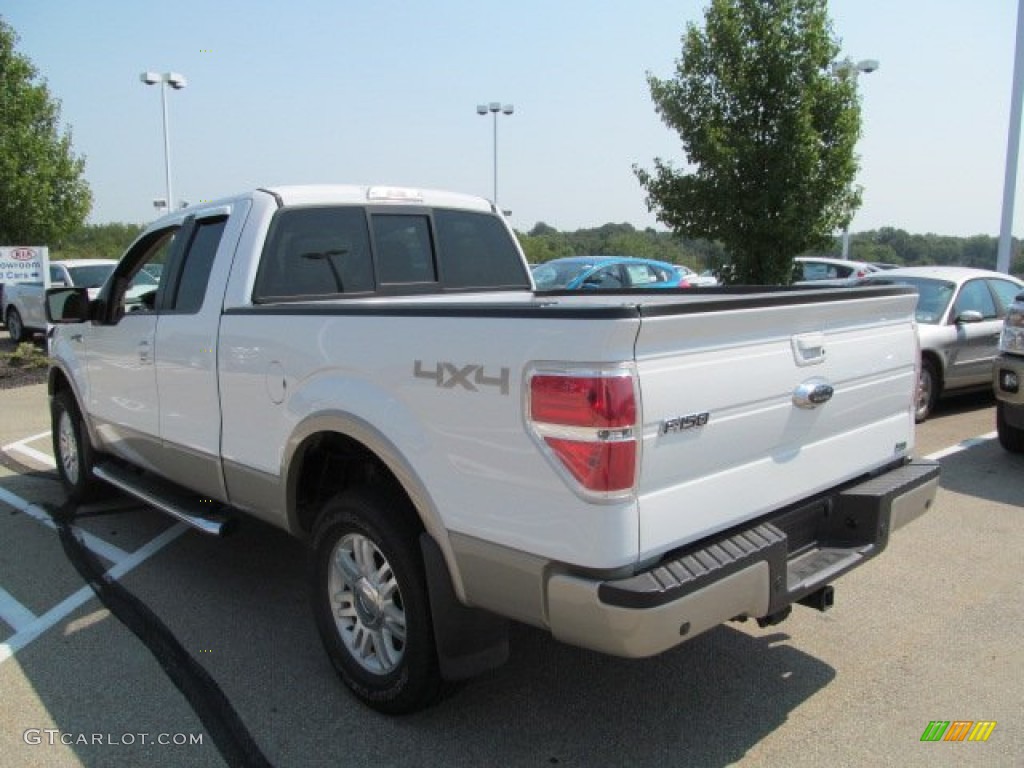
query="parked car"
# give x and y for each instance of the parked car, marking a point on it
(826, 271)
(960, 315)
(22, 307)
(606, 273)
(1006, 379)
(705, 279)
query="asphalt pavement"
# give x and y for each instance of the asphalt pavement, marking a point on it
(126, 639)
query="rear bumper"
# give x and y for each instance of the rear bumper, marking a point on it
(754, 571)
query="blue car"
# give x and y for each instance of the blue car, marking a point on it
(606, 273)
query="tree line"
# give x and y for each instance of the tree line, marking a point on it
(543, 243)
(887, 245)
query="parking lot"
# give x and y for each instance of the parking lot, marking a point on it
(128, 639)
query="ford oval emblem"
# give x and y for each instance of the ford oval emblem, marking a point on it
(812, 393)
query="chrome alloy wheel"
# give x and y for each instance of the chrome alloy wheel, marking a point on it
(925, 393)
(366, 603)
(68, 442)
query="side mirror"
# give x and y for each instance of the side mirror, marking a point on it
(67, 305)
(969, 316)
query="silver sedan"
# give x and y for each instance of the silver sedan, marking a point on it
(960, 314)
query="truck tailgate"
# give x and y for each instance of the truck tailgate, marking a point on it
(748, 406)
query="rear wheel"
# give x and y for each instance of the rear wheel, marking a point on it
(1010, 437)
(928, 386)
(72, 449)
(370, 601)
(14, 325)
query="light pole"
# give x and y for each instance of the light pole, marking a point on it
(848, 68)
(494, 108)
(177, 82)
(1012, 149)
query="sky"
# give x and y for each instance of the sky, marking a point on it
(322, 91)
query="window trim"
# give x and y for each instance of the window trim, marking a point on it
(167, 293)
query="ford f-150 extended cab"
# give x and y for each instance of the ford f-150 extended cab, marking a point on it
(372, 370)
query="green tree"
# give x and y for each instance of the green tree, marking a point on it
(97, 241)
(768, 133)
(42, 193)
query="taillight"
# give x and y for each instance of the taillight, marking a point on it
(587, 422)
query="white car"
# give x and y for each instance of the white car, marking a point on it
(960, 314)
(23, 302)
(705, 279)
(23, 310)
(826, 271)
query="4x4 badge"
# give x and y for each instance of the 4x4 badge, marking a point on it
(471, 377)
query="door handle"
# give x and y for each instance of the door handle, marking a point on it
(144, 351)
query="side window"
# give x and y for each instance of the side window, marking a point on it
(814, 270)
(315, 252)
(1005, 291)
(476, 251)
(404, 249)
(56, 277)
(195, 274)
(136, 281)
(976, 296)
(663, 275)
(607, 278)
(640, 275)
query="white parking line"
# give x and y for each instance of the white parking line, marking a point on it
(23, 447)
(13, 612)
(65, 607)
(962, 446)
(102, 548)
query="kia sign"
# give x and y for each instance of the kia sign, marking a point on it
(24, 264)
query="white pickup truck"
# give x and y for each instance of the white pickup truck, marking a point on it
(371, 369)
(22, 303)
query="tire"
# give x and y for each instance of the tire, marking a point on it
(928, 388)
(1010, 437)
(72, 449)
(369, 595)
(15, 327)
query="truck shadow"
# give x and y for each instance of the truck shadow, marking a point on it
(238, 607)
(974, 471)
(706, 703)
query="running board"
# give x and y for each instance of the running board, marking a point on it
(167, 497)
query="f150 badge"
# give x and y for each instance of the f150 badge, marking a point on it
(471, 377)
(683, 423)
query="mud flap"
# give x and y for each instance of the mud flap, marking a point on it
(469, 641)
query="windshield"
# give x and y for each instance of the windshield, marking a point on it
(91, 276)
(933, 296)
(549, 277)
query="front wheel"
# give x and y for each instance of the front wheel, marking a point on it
(927, 391)
(1010, 437)
(370, 601)
(72, 449)
(15, 327)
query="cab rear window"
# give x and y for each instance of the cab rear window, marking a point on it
(349, 251)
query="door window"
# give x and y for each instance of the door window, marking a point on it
(975, 296)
